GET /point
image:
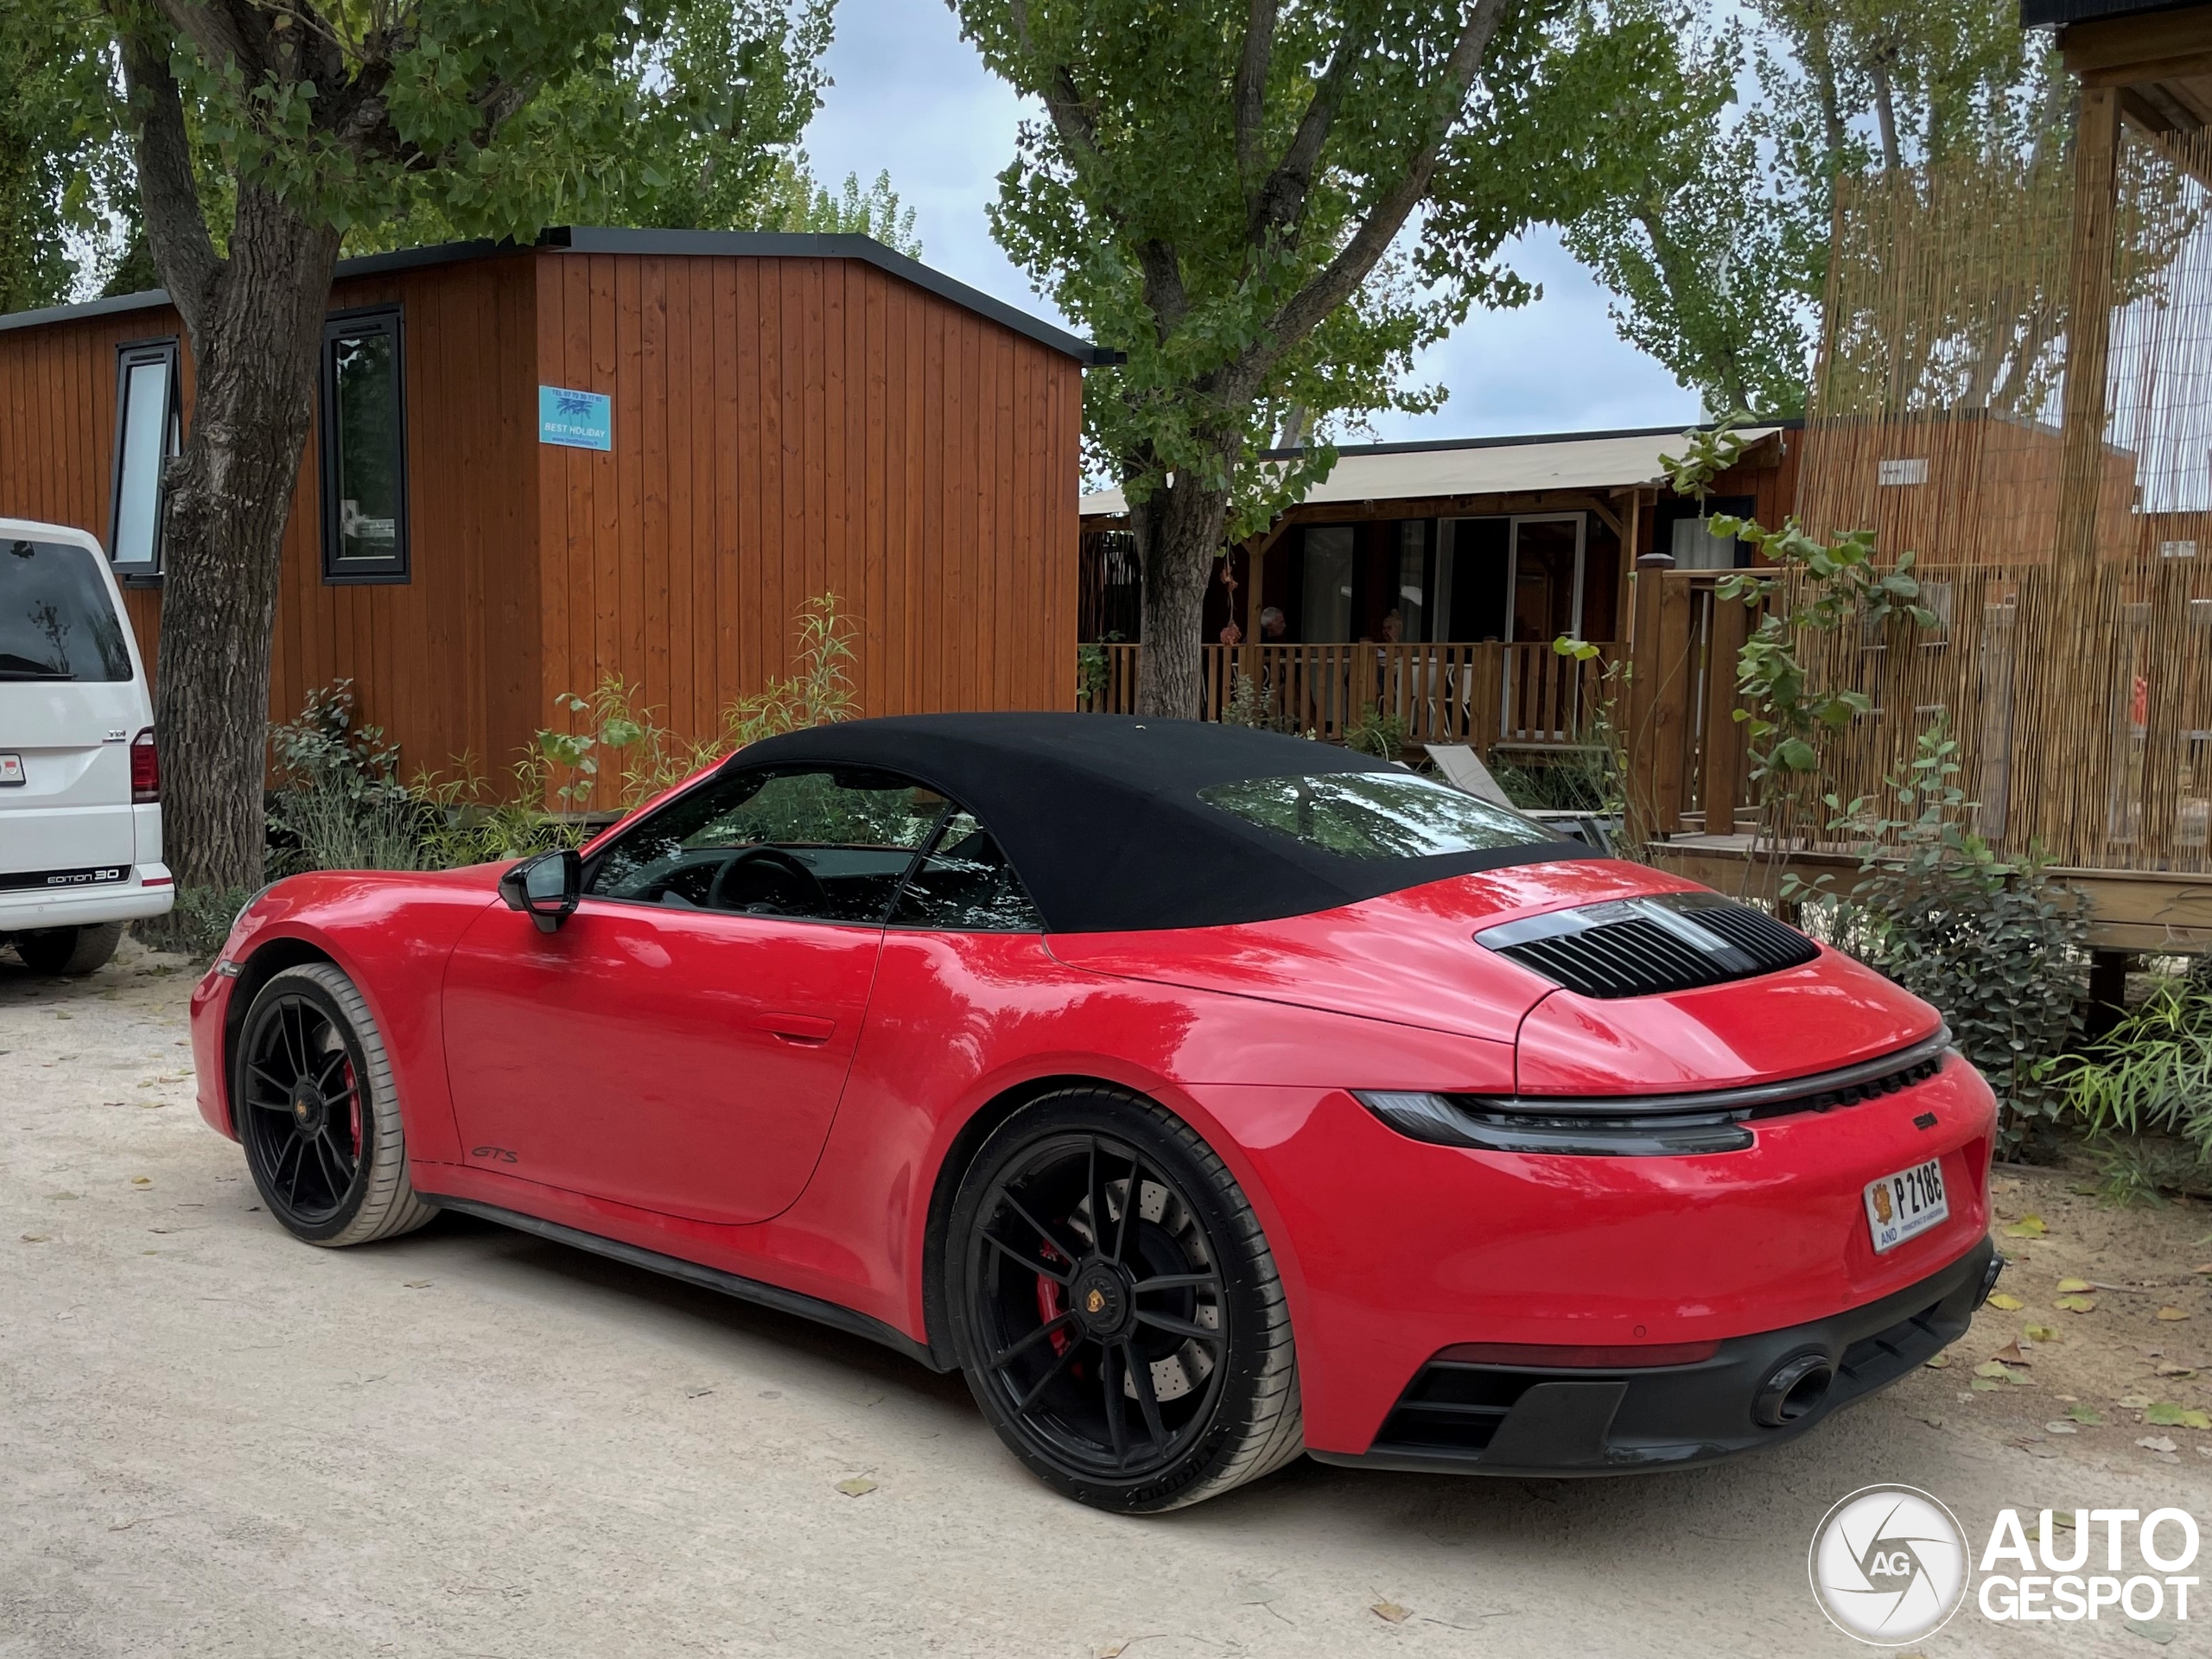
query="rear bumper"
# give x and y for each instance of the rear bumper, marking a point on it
(29, 910)
(1502, 1420)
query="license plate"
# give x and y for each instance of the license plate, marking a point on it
(11, 770)
(1906, 1204)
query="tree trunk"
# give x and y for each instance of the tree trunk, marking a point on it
(229, 497)
(1178, 531)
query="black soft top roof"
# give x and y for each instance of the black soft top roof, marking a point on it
(1100, 814)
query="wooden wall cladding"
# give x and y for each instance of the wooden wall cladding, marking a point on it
(784, 429)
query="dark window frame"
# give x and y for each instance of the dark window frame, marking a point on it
(355, 324)
(129, 354)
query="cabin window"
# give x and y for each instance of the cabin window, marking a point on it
(146, 434)
(1324, 599)
(364, 448)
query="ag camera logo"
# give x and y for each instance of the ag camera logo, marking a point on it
(1889, 1565)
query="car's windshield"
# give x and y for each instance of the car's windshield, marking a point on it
(1375, 815)
(56, 622)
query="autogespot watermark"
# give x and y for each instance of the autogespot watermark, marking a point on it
(1891, 1565)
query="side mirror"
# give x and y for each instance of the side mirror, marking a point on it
(547, 887)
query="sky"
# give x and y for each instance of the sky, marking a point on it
(910, 96)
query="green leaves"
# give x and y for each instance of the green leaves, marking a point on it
(1137, 203)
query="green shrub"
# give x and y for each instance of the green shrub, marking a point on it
(1372, 732)
(2152, 1073)
(646, 757)
(197, 925)
(1998, 948)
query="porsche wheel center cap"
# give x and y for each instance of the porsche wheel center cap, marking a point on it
(308, 1108)
(1100, 1298)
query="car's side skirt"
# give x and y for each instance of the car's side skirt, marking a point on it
(730, 1284)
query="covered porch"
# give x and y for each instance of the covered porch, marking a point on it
(1424, 584)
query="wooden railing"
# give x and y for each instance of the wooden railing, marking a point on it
(1481, 694)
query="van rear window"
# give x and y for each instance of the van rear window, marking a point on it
(56, 622)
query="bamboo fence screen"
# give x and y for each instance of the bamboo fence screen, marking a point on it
(2064, 537)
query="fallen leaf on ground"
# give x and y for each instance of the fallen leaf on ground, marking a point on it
(2206, 1267)
(2062, 1427)
(2133, 1401)
(1985, 1384)
(858, 1486)
(2042, 1333)
(2170, 1369)
(1996, 1367)
(2010, 1355)
(2155, 1443)
(2006, 1302)
(37, 1238)
(1939, 1361)
(2152, 1629)
(2027, 1227)
(1113, 1652)
(2077, 1304)
(2084, 1414)
(2167, 1415)
(141, 1180)
(1391, 1610)
(416, 1284)
(2068, 1287)
(2169, 1314)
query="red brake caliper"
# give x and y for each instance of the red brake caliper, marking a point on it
(1050, 1307)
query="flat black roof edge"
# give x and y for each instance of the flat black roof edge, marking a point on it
(1428, 446)
(2052, 14)
(757, 245)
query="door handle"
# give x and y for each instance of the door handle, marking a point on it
(796, 1027)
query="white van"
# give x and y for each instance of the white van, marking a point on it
(81, 782)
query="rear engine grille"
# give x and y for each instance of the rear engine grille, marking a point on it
(1643, 947)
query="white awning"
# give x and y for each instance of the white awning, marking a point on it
(1607, 461)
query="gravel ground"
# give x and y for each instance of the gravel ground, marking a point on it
(468, 1442)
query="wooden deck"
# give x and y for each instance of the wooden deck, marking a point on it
(2163, 912)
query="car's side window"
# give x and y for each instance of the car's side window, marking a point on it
(828, 844)
(966, 886)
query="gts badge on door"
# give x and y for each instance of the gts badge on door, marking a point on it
(495, 1154)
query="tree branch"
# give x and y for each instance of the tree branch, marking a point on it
(1304, 311)
(226, 31)
(177, 228)
(1250, 98)
(1281, 200)
(1163, 272)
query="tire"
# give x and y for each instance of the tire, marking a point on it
(69, 951)
(313, 1103)
(1129, 1399)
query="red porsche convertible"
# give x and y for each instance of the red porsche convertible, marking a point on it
(1207, 1097)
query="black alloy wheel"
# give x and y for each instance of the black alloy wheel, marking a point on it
(312, 1100)
(302, 1123)
(1119, 1318)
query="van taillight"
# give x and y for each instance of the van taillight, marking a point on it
(145, 769)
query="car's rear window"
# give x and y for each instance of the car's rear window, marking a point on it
(56, 622)
(1375, 815)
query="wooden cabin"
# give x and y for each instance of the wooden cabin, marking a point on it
(632, 453)
(2062, 528)
(1427, 581)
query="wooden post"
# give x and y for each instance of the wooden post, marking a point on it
(2097, 153)
(1723, 749)
(1646, 674)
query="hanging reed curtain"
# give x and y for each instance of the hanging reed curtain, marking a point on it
(2064, 538)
